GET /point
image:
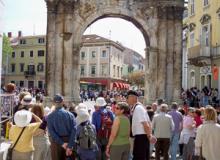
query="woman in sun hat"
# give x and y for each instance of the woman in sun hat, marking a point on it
(83, 120)
(24, 147)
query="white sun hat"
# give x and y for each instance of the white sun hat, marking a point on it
(81, 106)
(22, 118)
(27, 100)
(100, 102)
(82, 116)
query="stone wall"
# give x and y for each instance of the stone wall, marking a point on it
(158, 20)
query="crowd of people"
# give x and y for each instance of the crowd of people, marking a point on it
(119, 128)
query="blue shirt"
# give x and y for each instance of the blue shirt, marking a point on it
(62, 123)
(96, 117)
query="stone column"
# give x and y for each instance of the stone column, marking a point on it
(170, 50)
(177, 78)
(151, 74)
(50, 54)
(162, 45)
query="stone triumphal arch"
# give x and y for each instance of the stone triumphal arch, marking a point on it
(160, 21)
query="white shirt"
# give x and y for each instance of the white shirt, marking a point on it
(139, 115)
(208, 137)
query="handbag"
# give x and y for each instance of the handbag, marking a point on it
(10, 150)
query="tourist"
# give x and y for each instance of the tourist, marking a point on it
(207, 138)
(141, 127)
(24, 148)
(62, 130)
(178, 123)
(41, 140)
(118, 147)
(162, 125)
(188, 134)
(103, 120)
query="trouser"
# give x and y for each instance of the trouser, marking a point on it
(141, 149)
(102, 143)
(22, 155)
(41, 148)
(58, 152)
(162, 145)
(174, 145)
(120, 152)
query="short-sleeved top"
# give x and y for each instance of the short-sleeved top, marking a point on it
(123, 134)
(139, 115)
(25, 143)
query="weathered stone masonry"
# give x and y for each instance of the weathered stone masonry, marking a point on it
(160, 21)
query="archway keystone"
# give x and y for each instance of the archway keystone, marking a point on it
(160, 21)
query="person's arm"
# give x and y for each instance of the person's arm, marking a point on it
(72, 123)
(114, 131)
(147, 128)
(52, 132)
(198, 141)
(172, 124)
(36, 118)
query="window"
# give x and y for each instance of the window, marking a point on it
(21, 67)
(205, 35)
(40, 84)
(93, 70)
(31, 68)
(40, 53)
(205, 2)
(21, 83)
(104, 54)
(31, 54)
(40, 67)
(192, 37)
(40, 40)
(82, 70)
(93, 54)
(192, 9)
(114, 70)
(22, 41)
(22, 53)
(103, 69)
(118, 71)
(13, 55)
(83, 55)
(12, 68)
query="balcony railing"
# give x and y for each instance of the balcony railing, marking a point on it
(215, 52)
(199, 52)
(29, 73)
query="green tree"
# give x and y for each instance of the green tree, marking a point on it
(7, 49)
(137, 78)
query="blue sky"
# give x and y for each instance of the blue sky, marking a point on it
(30, 16)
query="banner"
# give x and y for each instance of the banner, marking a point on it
(215, 73)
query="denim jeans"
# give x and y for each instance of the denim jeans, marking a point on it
(174, 144)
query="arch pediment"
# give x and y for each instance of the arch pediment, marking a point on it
(192, 26)
(205, 19)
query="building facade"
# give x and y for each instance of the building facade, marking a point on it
(203, 43)
(26, 65)
(101, 63)
(1, 34)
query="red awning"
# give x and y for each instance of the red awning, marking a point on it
(115, 84)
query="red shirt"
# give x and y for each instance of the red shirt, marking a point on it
(198, 120)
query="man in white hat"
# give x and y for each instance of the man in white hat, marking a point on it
(103, 120)
(62, 129)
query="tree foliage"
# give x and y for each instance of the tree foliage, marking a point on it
(7, 49)
(137, 78)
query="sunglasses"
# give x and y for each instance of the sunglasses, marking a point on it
(118, 108)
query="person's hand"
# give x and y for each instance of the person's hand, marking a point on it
(69, 152)
(107, 151)
(153, 139)
(65, 145)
